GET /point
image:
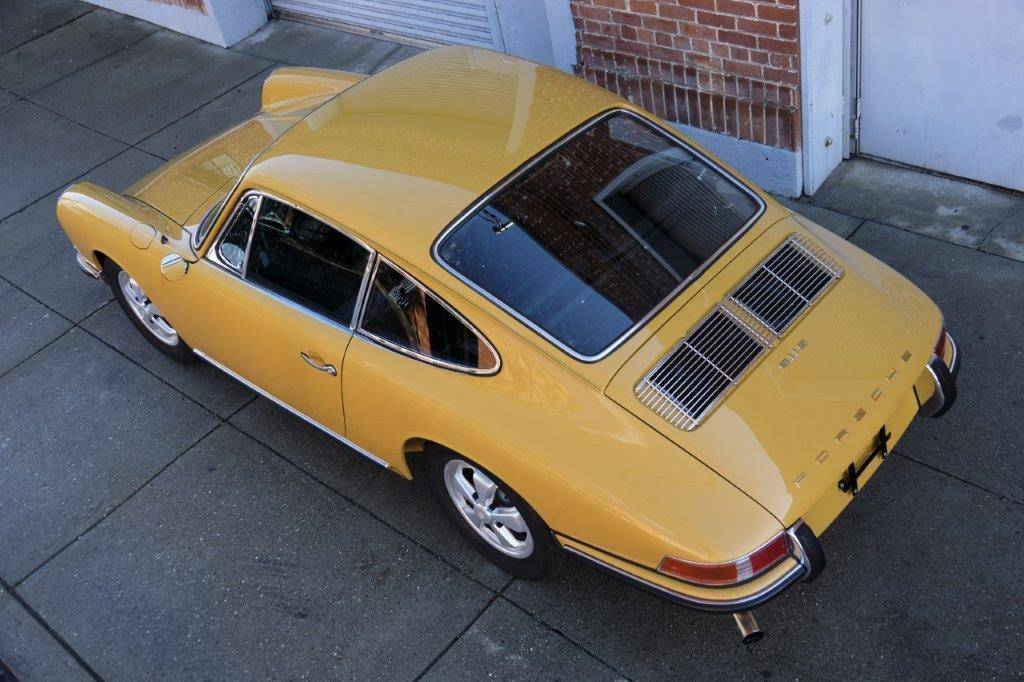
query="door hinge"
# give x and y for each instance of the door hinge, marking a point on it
(855, 128)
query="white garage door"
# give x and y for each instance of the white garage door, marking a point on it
(942, 86)
(470, 22)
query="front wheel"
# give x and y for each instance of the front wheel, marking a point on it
(493, 517)
(145, 315)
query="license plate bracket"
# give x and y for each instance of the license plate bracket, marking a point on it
(848, 483)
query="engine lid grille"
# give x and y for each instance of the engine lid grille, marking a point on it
(698, 372)
(787, 282)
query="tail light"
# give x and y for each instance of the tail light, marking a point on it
(730, 572)
(940, 345)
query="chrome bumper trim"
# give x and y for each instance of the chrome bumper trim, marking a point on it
(87, 267)
(944, 378)
(802, 570)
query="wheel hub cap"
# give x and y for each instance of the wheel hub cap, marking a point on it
(487, 509)
(145, 311)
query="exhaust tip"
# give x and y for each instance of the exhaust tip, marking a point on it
(750, 631)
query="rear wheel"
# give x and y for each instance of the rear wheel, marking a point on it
(145, 316)
(499, 523)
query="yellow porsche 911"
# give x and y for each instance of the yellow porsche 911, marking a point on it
(586, 332)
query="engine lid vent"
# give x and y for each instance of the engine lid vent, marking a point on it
(701, 369)
(787, 282)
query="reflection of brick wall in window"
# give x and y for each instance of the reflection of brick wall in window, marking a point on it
(198, 5)
(561, 190)
(729, 66)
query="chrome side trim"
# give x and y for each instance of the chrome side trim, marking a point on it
(87, 267)
(300, 415)
(543, 154)
(408, 351)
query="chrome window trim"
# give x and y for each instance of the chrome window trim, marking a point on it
(309, 420)
(542, 155)
(391, 345)
(214, 259)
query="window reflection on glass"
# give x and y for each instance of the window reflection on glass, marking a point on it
(402, 312)
(236, 236)
(596, 235)
(306, 261)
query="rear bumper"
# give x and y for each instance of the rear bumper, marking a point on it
(943, 372)
(807, 555)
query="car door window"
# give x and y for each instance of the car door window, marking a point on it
(231, 248)
(403, 314)
(305, 260)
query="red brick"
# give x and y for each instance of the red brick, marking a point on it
(667, 54)
(698, 31)
(668, 92)
(773, 13)
(743, 69)
(759, 57)
(613, 4)
(781, 61)
(774, 45)
(672, 11)
(715, 19)
(626, 18)
(627, 32)
(645, 35)
(788, 31)
(643, 6)
(780, 76)
(736, 38)
(761, 28)
(707, 121)
(594, 13)
(720, 50)
(698, 4)
(757, 122)
(659, 24)
(743, 9)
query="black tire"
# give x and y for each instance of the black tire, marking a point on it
(179, 351)
(547, 556)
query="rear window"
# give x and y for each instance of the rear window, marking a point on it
(594, 237)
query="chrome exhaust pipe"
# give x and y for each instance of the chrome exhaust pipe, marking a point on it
(750, 631)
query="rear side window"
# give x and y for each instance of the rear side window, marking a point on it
(402, 314)
(595, 236)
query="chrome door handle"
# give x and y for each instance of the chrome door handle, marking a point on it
(323, 367)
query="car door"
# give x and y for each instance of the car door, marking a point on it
(412, 358)
(272, 303)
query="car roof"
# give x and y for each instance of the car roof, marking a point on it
(398, 156)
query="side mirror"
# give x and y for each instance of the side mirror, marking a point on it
(173, 267)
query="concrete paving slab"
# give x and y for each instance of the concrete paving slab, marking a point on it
(292, 42)
(67, 49)
(1007, 239)
(42, 151)
(81, 429)
(36, 255)
(953, 211)
(920, 568)
(841, 224)
(25, 326)
(29, 650)
(25, 20)
(200, 381)
(232, 563)
(406, 506)
(7, 98)
(982, 297)
(399, 55)
(230, 108)
(137, 91)
(506, 643)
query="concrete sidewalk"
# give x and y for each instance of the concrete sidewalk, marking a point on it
(162, 521)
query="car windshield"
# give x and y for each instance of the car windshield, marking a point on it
(594, 237)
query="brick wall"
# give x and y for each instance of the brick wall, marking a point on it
(729, 66)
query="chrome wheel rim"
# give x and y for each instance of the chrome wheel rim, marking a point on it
(487, 509)
(144, 309)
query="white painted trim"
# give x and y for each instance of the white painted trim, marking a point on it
(823, 36)
(776, 170)
(224, 23)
